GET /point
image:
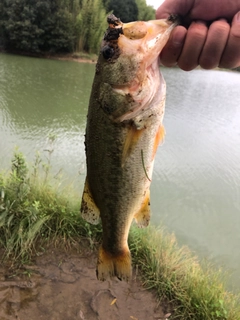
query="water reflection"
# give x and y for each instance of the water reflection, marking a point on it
(197, 171)
(40, 97)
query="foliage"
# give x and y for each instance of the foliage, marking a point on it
(35, 26)
(33, 211)
(72, 6)
(52, 26)
(90, 25)
(145, 12)
(126, 10)
(1, 27)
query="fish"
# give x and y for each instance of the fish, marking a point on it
(124, 129)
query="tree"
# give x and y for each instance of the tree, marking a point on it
(72, 6)
(19, 28)
(126, 10)
(145, 12)
(36, 25)
(58, 25)
(52, 25)
(90, 25)
(1, 25)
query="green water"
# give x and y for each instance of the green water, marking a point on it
(196, 183)
(39, 98)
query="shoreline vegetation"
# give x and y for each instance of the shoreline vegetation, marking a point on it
(63, 26)
(36, 211)
(80, 57)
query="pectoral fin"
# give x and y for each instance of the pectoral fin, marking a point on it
(142, 217)
(131, 140)
(159, 138)
(89, 210)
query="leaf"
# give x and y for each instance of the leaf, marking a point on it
(114, 301)
(81, 315)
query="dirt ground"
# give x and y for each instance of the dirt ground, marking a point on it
(62, 285)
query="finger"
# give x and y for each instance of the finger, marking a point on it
(172, 50)
(231, 54)
(195, 39)
(181, 7)
(203, 9)
(215, 43)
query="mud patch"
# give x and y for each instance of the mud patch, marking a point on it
(63, 286)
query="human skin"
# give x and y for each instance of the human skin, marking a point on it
(209, 36)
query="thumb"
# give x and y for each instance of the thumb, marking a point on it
(180, 7)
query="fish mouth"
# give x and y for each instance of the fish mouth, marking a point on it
(143, 42)
(133, 30)
(147, 32)
(147, 38)
(139, 29)
(130, 53)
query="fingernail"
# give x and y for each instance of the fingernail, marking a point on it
(238, 17)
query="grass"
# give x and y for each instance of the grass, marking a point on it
(34, 211)
(196, 291)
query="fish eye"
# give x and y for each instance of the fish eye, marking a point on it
(107, 52)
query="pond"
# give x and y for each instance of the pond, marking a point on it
(195, 190)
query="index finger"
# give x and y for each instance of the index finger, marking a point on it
(199, 9)
(174, 7)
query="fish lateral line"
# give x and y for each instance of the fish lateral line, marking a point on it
(132, 138)
(144, 168)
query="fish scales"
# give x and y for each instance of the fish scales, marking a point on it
(124, 128)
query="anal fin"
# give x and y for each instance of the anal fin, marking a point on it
(89, 210)
(142, 217)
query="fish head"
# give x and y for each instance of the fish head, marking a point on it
(129, 66)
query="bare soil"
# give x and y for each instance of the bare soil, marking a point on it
(62, 285)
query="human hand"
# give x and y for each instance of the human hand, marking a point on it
(211, 38)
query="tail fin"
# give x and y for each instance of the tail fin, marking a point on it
(110, 265)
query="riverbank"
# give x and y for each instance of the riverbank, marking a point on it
(61, 284)
(81, 57)
(36, 215)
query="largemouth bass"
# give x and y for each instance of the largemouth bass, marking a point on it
(124, 129)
